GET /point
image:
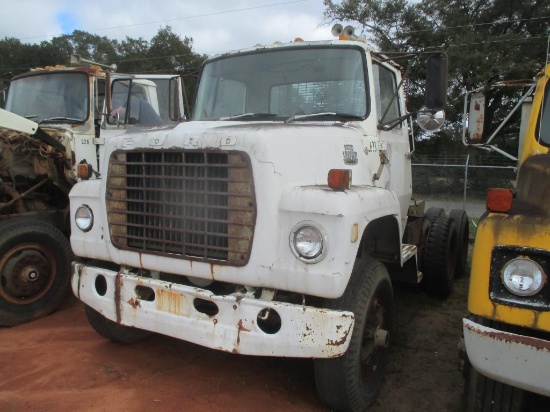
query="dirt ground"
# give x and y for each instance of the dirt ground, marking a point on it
(59, 363)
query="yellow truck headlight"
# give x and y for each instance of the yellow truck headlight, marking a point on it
(523, 277)
(84, 218)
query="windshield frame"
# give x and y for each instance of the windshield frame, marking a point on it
(73, 106)
(266, 115)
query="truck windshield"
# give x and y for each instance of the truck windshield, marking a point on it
(543, 126)
(278, 84)
(50, 97)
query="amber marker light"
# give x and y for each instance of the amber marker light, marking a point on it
(499, 200)
(339, 179)
(84, 171)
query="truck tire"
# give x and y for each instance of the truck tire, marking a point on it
(35, 270)
(112, 330)
(440, 258)
(434, 213)
(351, 382)
(483, 394)
(462, 229)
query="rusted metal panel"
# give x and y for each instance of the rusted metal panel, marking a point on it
(533, 192)
(518, 360)
(234, 326)
(476, 118)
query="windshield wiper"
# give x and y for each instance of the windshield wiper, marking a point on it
(245, 115)
(54, 119)
(344, 116)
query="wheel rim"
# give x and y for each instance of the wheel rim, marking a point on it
(372, 350)
(27, 272)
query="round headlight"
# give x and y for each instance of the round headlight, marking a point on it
(523, 277)
(84, 218)
(308, 242)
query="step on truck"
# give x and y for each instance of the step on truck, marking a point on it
(506, 343)
(275, 222)
(55, 119)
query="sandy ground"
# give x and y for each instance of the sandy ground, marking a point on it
(59, 363)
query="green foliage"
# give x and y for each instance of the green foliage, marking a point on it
(167, 52)
(485, 40)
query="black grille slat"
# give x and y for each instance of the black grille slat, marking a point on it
(193, 204)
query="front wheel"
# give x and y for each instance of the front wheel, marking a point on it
(112, 330)
(352, 381)
(483, 394)
(35, 270)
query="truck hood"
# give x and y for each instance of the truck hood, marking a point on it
(283, 148)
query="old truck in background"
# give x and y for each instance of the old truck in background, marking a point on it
(274, 222)
(56, 118)
(506, 344)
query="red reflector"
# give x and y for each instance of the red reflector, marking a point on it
(84, 171)
(499, 200)
(339, 179)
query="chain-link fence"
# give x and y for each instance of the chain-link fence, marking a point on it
(460, 182)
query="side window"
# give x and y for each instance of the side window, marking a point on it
(387, 101)
(230, 98)
(543, 125)
(135, 102)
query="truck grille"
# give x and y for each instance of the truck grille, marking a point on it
(195, 204)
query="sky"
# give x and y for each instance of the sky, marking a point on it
(216, 26)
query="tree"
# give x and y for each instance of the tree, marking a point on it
(165, 53)
(485, 40)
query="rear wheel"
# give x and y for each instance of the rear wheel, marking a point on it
(352, 381)
(35, 270)
(112, 330)
(440, 258)
(434, 213)
(462, 229)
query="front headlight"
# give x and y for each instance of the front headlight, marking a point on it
(84, 218)
(523, 277)
(307, 242)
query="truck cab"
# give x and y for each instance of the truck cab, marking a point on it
(273, 222)
(56, 120)
(506, 342)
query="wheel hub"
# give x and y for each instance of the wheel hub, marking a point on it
(375, 339)
(25, 273)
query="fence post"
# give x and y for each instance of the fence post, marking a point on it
(465, 181)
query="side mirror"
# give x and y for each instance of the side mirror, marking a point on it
(476, 118)
(429, 120)
(436, 82)
(431, 117)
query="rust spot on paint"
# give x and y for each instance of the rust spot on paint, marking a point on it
(118, 292)
(135, 303)
(342, 340)
(241, 327)
(169, 301)
(537, 344)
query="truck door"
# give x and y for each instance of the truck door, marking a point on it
(393, 133)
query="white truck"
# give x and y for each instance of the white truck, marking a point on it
(275, 221)
(56, 120)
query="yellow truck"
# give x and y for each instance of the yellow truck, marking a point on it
(506, 339)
